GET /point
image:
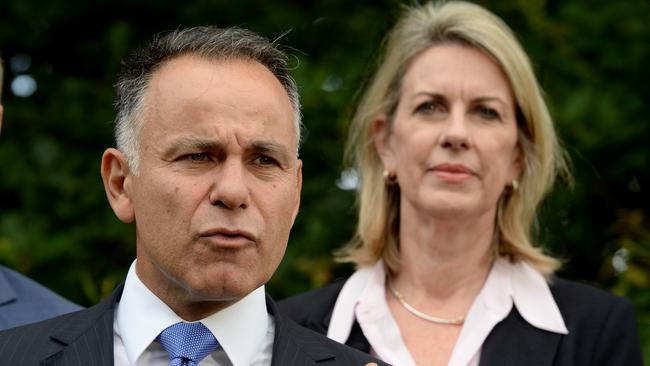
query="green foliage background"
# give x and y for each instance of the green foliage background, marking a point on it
(56, 226)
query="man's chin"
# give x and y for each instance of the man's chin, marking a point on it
(225, 290)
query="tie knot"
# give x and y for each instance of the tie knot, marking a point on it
(187, 343)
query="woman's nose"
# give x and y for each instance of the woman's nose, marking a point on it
(455, 135)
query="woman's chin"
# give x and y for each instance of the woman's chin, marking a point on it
(451, 209)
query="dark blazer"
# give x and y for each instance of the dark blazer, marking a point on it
(602, 329)
(86, 338)
(24, 301)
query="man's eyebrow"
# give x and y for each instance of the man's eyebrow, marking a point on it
(272, 148)
(191, 143)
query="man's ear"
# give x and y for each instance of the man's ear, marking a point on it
(381, 135)
(298, 190)
(117, 184)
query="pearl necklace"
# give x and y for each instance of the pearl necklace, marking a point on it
(434, 319)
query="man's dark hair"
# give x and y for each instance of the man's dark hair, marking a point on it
(209, 42)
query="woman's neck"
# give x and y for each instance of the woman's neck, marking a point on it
(443, 259)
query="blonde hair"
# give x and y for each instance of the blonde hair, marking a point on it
(417, 30)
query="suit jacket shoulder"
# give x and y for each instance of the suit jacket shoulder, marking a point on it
(602, 331)
(602, 326)
(80, 338)
(24, 301)
(312, 309)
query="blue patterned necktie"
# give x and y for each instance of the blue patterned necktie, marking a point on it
(187, 343)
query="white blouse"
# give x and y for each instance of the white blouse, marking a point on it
(363, 298)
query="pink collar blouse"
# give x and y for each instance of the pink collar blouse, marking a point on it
(508, 284)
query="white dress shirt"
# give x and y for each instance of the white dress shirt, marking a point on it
(363, 298)
(244, 330)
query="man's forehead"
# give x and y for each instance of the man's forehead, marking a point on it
(207, 129)
(217, 106)
(194, 78)
(191, 62)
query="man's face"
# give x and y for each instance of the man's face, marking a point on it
(219, 181)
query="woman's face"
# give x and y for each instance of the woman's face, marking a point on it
(453, 142)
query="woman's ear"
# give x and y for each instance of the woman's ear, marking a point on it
(382, 137)
(117, 183)
(517, 166)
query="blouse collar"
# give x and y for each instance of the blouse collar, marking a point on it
(508, 283)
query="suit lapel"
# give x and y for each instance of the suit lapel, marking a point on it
(86, 338)
(515, 342)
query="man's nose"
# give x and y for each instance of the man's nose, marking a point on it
(230, 188)
(455, 135)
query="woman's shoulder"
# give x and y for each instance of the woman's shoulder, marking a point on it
(602, 326)
(582, 304)
(582, 298)
(312, 308)
(317, 305)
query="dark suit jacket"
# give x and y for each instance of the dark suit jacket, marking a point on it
(24, 301)
(86, 338)
(602, 329)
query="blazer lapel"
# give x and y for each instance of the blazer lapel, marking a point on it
(515, 342)
(86, 337)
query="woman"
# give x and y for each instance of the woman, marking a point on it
(456, 149)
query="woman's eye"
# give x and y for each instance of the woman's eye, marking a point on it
(428, 108)
(488, 113)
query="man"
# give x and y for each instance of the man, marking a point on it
(207, 130)
(22, 300)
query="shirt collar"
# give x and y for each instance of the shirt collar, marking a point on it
(343, 313)
(520, 284)
(533, 298)
(507, 283)
(239, 328)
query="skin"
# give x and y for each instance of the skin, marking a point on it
(453, 145)
(219, 182)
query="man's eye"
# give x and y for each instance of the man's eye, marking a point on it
(265, 160)
(198, 157)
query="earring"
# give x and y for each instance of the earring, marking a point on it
(514, 184)
(390, 177)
